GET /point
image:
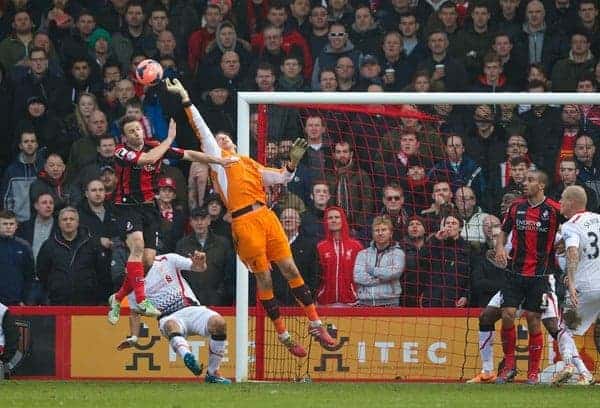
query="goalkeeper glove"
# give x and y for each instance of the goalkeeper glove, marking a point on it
(174, 86)
(129, 342)
(297, 151)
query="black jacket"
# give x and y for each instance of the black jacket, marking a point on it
(74, 273)
(304, 252)
(216, 285)
(486, 279)
(417, 274)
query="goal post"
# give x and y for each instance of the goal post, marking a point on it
(245, 99)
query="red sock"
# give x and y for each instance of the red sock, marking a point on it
(509, 338)
(135, 276)
(124, 289)
(536, 344)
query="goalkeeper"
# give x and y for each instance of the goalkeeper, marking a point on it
(257, 234)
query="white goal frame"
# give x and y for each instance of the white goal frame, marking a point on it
(244, 99)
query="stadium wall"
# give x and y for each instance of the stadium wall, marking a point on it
(374, 344)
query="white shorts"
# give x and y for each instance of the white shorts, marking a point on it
(549, 312)
(588, 310)
(191, 319)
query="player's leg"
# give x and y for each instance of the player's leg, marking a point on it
(487, 319)
(301, 292)
(509, 339)
(174, 330)
(535, 347)
(217, 329)
(264, 290)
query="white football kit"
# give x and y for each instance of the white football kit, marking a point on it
(583, 232)
(172, 295)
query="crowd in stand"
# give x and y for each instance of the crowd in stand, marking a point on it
(382, 211)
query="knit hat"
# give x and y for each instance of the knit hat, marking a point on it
(96, 35)
(418, 219)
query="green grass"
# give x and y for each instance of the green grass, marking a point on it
(33, 394)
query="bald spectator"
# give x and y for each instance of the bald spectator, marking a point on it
(471, 214)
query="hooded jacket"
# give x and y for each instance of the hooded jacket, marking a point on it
(16, 269)
(17, 181)
(377, 275)
(336, 259)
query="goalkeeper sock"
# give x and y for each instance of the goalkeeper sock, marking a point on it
(536, 344)
(486, 347)
(179, 344)
(303, 297)
(216, 351)
(271, 306)
(509, 337)
(135, 276)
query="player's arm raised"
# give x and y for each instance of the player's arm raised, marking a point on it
(201, 129)
(283, 176)
(156, 153)
(195, 156)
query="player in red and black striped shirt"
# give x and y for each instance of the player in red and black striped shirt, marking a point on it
(137, 166)
(532, 223)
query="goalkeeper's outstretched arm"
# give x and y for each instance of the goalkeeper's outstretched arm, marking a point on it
(203, 133)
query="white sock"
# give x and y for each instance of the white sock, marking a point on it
(180, 346)
(486, 350)
(216, 350)
(316, 323)
(566, 346)
(580, 365)
(284, 336)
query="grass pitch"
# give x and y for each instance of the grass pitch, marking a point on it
(328, 395)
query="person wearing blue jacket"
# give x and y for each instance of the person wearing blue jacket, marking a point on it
(16, 262)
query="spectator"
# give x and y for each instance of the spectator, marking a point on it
(216, 285)
(389, 14)
(83, 151)
(283, 122)
(41, 225)
(449, 72)
(76, 122)
(226, 39)
(130, 36)
(441, 206)
(273, 50)
(472, 216)
(588, 23)
(39, 81)
(312, 219)
(298, 18)
(21, 173)
(16, 262)
(158, 21)
(340, 12)
(200, 39)
(493, 79)
(416, 187)
(414, 48)
(378, 268)
(72, 265)
(416, 276)
(540, 45)
(567, 71)
(14, 47)
(485, 139)
(183, 19)
(337, 253)
(230, 70)
(394, 209)
(450, 277)
(107, 177)
(561, 16)
(318, 154)
(105, 157)
(317, 38)
(345, 74)
(365, 33)
(218, 110)
(72, 41)
(220, 222)
(568, 177)
(473, 42)
(458, 169)
(513, 66)
(96, 215)
(511, 177)
(339, 45)
(369, 72)
(291, 78)
(352, 187)
(304, 252)
(585, 156)
(327, 81)
(487, 277)
(509, 19)
(446, 18)
(52, 180)
(100, 50)
(172, 219)
(397, 67)
(112, 17)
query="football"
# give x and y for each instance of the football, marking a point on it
(149, 72)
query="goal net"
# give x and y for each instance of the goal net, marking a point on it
(441, 168)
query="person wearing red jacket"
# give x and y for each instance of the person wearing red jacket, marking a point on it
(199, 39)
(337, 253)
(277, 16)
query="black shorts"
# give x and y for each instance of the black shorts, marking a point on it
(140, 217)
(526, 292)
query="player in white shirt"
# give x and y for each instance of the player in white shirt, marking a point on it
(581, 234)
(182, 315)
